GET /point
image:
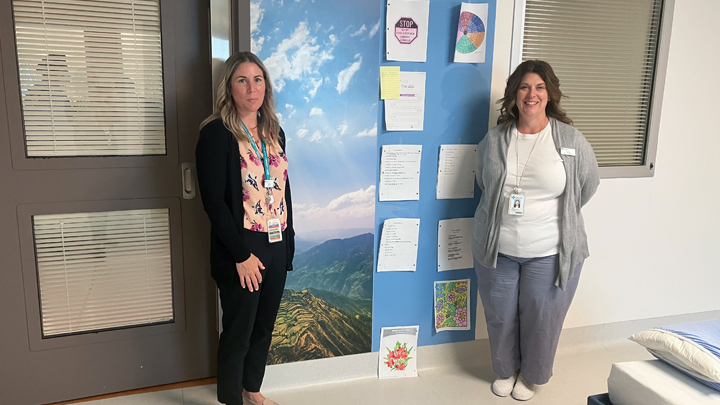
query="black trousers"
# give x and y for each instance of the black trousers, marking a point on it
(248, 321)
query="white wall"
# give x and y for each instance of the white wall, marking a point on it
(654, 242)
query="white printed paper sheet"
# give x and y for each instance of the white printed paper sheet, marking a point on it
(456, 171)
(471, 38)
(407, 30)
(398, 352)
(454, 248)
(399, 245)
(407, 113)
(400, 172)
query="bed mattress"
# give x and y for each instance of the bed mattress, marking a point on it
(653, 382)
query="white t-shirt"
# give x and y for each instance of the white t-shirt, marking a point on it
(536, 233)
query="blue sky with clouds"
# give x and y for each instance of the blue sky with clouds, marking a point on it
(322, 56)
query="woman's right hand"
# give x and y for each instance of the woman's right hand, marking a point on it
(249, 273)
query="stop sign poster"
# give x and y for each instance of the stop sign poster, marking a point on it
(406, 30)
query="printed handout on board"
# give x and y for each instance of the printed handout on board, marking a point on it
(399, 245)
(471, 33)
(398, 352)
(407, 113)
(454, 250)
(407, 30)
(455, 179)
(400, 172)
(452, 309)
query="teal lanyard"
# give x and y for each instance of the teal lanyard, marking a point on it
(265, 155)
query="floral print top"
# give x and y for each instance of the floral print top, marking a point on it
(257, 211)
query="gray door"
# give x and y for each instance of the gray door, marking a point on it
(104, 281)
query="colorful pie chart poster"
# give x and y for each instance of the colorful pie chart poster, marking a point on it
(471, 33)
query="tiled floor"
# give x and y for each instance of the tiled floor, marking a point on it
(578, 374)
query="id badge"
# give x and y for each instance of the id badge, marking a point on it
(516, 204)
(274, 230)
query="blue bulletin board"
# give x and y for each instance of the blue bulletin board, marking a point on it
(457, 105)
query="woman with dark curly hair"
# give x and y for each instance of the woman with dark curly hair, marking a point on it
(242, 173)
(536, 172)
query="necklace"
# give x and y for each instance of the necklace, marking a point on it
(517, 189)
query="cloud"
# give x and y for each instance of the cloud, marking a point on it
(295, 56)
(256, 16)
(316, 111)
(374, 29)
(333, 39)
(316, 137)
(315, 84)
(343, 129)
(345, 75)
(352, 210)
(360, 31)
(280, 117)
(302, 132)
(289, 106)
(368, 132)
(256, 45)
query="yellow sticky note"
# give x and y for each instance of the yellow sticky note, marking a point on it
(389, 82)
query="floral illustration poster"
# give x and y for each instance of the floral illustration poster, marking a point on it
(452, 309)
(398, 352)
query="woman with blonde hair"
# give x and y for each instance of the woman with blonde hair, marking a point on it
(242, 173)
(536, 172)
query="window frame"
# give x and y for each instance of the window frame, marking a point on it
(36, 339)
(657, 92)
(11, 76)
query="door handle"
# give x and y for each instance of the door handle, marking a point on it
(188, 180)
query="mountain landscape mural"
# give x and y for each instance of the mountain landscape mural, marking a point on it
(322, 62)
(326, 309)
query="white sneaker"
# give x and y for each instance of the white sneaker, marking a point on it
(502, 387)
(523, 389)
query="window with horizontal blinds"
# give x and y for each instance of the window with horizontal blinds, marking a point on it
(90, 77)
(604, 53)
(103, 270)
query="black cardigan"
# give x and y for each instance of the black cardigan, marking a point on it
(217, 157)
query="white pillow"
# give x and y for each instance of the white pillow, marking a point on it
(680, 351)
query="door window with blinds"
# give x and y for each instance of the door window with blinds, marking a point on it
(103, 270)
(606, 57)
(97, 271)
(91, 77)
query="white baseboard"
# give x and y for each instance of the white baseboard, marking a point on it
(468, 354)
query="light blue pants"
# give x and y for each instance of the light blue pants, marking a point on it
(524, 311)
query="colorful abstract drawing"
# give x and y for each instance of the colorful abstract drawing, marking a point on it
(452, 311)
(471, 33)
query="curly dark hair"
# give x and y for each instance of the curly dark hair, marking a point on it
(509, 113)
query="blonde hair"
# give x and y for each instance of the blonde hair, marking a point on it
(268, 124)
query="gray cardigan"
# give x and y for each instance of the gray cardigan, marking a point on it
(581, 172)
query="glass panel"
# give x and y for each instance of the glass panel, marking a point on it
(90, 77)
(604, 55)
(103, 270)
